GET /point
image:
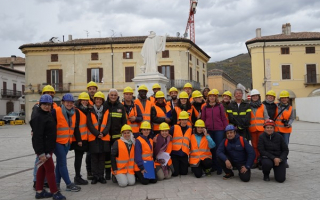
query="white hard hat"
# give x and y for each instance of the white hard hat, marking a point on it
(254, 92)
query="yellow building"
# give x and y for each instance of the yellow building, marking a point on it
(111, 62)
(287, 61)
(221, 81)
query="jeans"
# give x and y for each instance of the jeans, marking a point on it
(286, 137)
(61, 171)
(217, 137)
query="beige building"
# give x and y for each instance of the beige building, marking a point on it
(111, 62)
(287, 61)
(221, 81)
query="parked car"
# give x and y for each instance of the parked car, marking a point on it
(13, 116)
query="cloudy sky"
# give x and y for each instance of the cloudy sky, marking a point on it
(221, 26)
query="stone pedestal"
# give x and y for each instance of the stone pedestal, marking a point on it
(148, 79)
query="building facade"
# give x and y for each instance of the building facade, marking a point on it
(13, 62)
(221, 81)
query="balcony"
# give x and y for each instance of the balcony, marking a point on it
(10, 93)
(58, 87)
(180, 83)
(311, 79)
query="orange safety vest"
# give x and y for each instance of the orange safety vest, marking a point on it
(160, 114)
(153, 100)
(95, 123)
(168, 150)
(178, 111)
(125, 161)
(180, 141)
(90, 102)
(196, 112)
(199, 153)
(284, 115)
(134, 125)
(257, 120)
(64, 132)
(147, 153)
(146, 112)
(82, 127)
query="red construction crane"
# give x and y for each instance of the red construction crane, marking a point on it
(190, 24)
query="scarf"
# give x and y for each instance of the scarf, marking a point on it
(130, 141)
(99, 112)
(67, 114)
(161, 146)
(255, 104)
(269, 102)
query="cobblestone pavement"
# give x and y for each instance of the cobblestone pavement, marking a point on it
(17, 159)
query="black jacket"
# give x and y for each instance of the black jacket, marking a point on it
(44, 130)
(154, 118)
(76, 133)
(271, 108)
(239, 116)
(272, 146)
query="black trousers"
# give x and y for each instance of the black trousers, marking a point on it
(245, 177)
(143, 180)
(97, 164)
(88, 161)
(107, 163)
(180, 165)
(203, 165)
(78, 161)
(279, 171)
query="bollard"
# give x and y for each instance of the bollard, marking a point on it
(11, 122)
(2, 123)
(19, 122)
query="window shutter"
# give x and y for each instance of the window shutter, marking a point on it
(172, 72)
(204, 80)
(127, 72)
(124, 55)
(100, 74)
(23, 89)
(88, 75)
(190, 74)
(198, 76)
(60, 80)
(160, 69)
(49, 77)
(131, 55)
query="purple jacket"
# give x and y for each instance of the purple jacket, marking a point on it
(214, 117)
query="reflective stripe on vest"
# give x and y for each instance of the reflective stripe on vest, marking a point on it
(284, 115)
(178, 111)
(180, 141)
(64, 132)
(95, 123)
(160, 114)
(199, 153)
(257, 119)
(124, 161)
(146, 112)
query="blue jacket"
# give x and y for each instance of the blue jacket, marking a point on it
(236, 153)
(138, 152)
(211, 143)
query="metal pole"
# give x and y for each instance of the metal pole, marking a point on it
(112, 65)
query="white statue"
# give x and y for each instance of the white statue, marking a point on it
(152, 45)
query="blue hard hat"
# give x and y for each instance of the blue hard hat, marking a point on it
(68, 97)
(46, 98)
(230, 127)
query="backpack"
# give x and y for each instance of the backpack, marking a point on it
(241, 141)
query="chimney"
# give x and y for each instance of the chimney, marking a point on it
(284, 28)
(258, 32)
(13, 58)
(69, 37)
(288, 28)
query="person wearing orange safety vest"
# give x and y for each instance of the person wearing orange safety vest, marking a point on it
(183, 105)
(92, 88)
(173, 102)
(163, 145)
(155, 88)
(143, 103)
(188, 89)
(181, 135)
(122, 158)
(160, 112)
(80, 136)
(197, 106)
(98, 137)
(143, 151)
(259, 114)
(134, 115)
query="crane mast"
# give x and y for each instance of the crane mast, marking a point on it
(190, 24)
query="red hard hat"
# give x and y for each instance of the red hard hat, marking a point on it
(269, 122)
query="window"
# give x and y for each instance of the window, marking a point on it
(167, 71)
(310, 50)
(198, 76)
(204, 80)
(190, 78)
(94, 56)
(285, 50)
(165, 54)
(4, 88)
(54, 57)
(202, 65)
(197, 61)
(54, 78)
(127, 55)
(129, 74)
(94, 74)
(14, 89)
(190, 57)
(286, 74)
(311, 73)
(23, 89)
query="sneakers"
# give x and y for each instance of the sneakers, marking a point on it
(266, 177)
(102, 180)
(228, 176)
(73, 188)
(254, 166)
(89, 175)
(79, 181)
(43, 194)
(45, 185)
(114, 179)
(58, 196)
(208, 172)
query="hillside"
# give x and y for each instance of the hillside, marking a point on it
(238, 68)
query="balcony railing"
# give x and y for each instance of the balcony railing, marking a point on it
(180, 83)
(10, 93)
(312, 79)
(58, 87)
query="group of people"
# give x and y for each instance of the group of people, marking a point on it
(122, 139)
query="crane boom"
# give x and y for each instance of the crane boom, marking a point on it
(190, 23)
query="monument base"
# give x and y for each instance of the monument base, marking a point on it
(149, 79)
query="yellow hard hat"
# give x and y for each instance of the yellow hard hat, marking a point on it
(284, 93)
(126, 127)
(173, 89)
(145, 125)
(142, 87)
(200, 123)
(183, 115)
(48, 88)
(183, 95)
(271, 93)
(100, 95)
(196, 94)
(84, 96)
(159, 94)
(156, 86)
(92, 84)
(214, 92)
(128, 90)
(187, 85)
(164, 126)
(228, 93)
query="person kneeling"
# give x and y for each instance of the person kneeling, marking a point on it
(200, 156)
(235, 151)
(122, 158)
